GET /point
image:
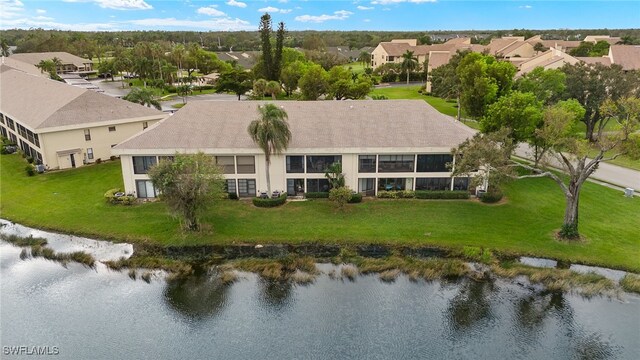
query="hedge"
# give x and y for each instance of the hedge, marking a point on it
(111, 198)
(355, 198)
(456, 194)
(490, 198)
(317, 195)
(267, 203)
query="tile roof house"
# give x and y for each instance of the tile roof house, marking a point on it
(404, 144)
(69, 62)
(627, 56)
(63, 126)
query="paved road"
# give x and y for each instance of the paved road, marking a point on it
(613, 174)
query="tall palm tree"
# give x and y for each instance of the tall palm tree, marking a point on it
(409, 63)
(271, 133)
(143, 96)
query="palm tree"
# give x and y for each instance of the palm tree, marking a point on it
(409, 63)
(271, 133)
(46, 65)
(365, 59)
(143, 96)
(259, 88)
(273, 88)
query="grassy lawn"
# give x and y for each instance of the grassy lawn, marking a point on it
(411, 92)
(72, 201)
(356, 67)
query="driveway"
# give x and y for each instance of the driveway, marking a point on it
(613, 174)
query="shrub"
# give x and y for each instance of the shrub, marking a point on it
(569, 231)
(267, 203)
(98, 160)
(111, 198)
(340, 196)
(233, 196)
(30, 170)
(444, 194)
(383, 194)
(113, 158)
(355, 198)
(491, 197)
(317, 195)
(406, 194)
(29, 159)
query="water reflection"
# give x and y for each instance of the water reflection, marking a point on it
(197, 297)
(275, 294)
(471, 306)
(533, 309)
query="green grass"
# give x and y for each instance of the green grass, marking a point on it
(356, 67)
(411, 92)
(72, 201)
(623, 160)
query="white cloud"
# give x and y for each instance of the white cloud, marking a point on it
(222, 24)
(337, 15)
(211, 11)
(236, 3)
(41, 11)
(124, 4)
(43, 18)
(24, 23)
(11, 8)
(360, 7)
(271, 9)
(525, 7)
(367, 20)
(386, 2)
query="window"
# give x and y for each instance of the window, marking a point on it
(367, 163)
(2, 118)
(13, 137)
(246, 187)
(141, 164)
(36, 140)
(295, 187)
(295, 164)
(395, 163)
(112, 128)
(230, 186)
(3, 131)
(432, 184)
(87, 134)
(367, 186)
(434, 163)
(90, 153)
(392, 184)
(145, 189)
(319, 164)
(461, 183)
(246, 164)
(145, 125)
(227, 164)
(10, 124)
(318, 185)
(391, 58)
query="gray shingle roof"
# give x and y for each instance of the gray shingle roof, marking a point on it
(65, 57)
(42, 103)
(314, 124)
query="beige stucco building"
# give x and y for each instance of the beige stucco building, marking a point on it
(68, 62)
(62, 126)
(382, 145)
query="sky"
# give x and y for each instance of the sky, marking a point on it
(392, 15)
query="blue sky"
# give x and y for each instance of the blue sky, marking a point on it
(199, 15)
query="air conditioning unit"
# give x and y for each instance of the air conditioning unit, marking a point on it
(628, 192)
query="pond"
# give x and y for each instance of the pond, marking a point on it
(101, 314)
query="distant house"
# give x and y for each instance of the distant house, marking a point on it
(595, 38)
(63, 126)
(627, 56)
(382, 145)
(245, 59)
(69, 63)
(550, 59)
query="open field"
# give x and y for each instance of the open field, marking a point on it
(72, 201)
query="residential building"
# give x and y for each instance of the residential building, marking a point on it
(244, 59)
(382, 145)
(550, 59)
(63, 126)
(627, 56)
(68, 63)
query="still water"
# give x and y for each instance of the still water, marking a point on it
(102, 314)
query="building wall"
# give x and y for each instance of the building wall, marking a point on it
(101, 142)
(279, 176)
(378, 57)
